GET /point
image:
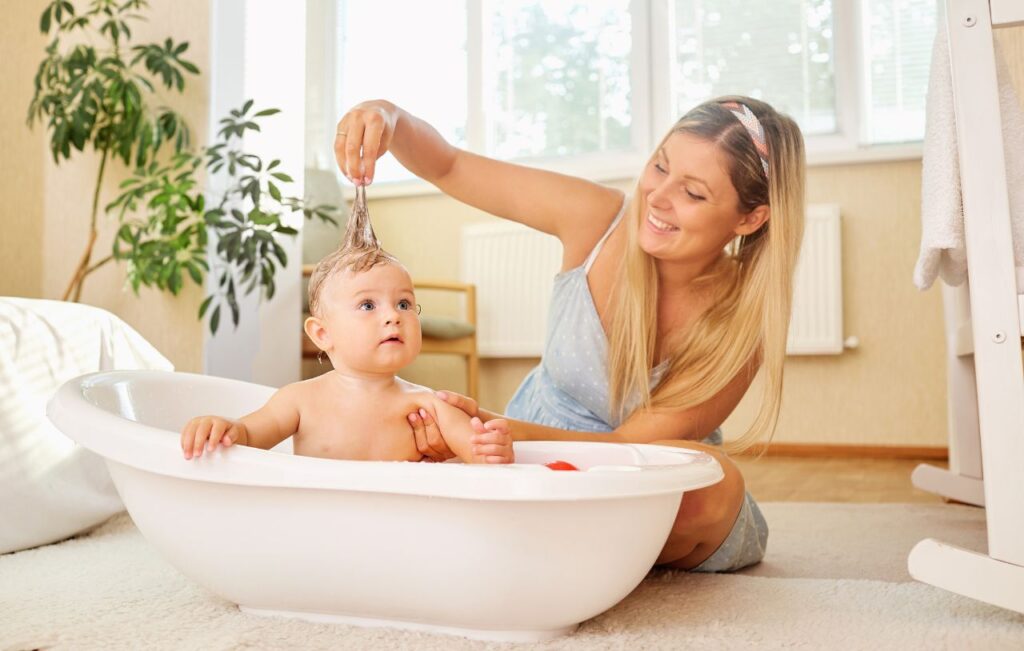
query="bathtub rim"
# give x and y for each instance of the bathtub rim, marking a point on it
(110, 435)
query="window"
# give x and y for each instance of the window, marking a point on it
(556, 78)
(587, 87)
(897, 44)
(781, 52)
(419, 61)
(856, 70)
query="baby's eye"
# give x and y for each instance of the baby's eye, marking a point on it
(404, 304)
(366, 305)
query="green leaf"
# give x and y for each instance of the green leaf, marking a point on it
(274, 192)
(281, 176)
(205, 305)
(233, 304)
(174, 282)
(215, 320)
(193, 271)
(269, 111)
(44, 20)
(282, 257)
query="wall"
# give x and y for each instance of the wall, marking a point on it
(46, 215)
(21, 184)
(891, 389)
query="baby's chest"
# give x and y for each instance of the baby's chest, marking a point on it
(374, 433)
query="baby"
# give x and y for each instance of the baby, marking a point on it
(365, 318)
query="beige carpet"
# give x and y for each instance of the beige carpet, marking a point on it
(835, 577)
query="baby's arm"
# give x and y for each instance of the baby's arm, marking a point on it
(471, 440)
(263, 428)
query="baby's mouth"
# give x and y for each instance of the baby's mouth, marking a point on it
(393, 339)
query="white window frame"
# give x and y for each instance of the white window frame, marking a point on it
(652, 99)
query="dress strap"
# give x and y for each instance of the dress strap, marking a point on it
(611, 227)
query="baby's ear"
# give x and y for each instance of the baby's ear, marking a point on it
(317, 332)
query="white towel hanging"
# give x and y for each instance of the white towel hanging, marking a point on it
(942, 221)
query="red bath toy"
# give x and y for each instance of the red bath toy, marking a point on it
(561, 465)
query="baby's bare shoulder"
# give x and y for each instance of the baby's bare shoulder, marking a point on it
(297, 390)
(415, 393)
(411, 387)
(297, 394)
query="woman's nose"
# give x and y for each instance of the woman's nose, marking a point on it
(658, 197)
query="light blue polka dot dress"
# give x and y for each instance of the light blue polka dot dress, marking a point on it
(569, 390)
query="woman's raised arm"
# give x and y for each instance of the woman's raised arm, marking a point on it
(564, 206)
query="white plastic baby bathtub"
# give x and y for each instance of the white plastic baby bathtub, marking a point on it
(515, 552)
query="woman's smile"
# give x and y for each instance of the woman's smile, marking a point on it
(659, 226)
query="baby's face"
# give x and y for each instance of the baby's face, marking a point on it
(371, 319)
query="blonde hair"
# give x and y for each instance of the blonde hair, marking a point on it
(359, 251)
(752, 281)
(342, 259)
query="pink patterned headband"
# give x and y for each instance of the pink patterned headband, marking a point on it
(750, 121)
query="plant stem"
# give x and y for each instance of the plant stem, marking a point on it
(83, 267)
(98, 265)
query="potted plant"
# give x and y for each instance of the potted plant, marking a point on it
(103, 96)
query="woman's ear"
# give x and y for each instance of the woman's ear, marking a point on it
(753, 220)
(314, 327)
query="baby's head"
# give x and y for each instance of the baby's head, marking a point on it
(363, 311)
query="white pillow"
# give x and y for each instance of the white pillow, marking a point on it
(50, 487)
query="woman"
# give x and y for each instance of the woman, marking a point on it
(668, 301)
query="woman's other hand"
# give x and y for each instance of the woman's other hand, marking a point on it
(492, 441)
(362, 136)
(429, 441)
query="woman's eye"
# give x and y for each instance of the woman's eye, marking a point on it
(404, 305)
(366, 305)
(661, 169)
(695, 197)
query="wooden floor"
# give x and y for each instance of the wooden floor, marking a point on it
(792, 479)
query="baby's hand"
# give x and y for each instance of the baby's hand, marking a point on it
(208, 431)
(492, 441)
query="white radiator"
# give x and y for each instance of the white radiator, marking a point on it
(816, 325)
(513, 266)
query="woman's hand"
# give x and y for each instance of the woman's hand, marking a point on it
(362, 136)
(458, 401)
(208, 432)
(429, 441)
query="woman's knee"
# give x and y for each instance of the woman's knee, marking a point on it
(706, 516)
